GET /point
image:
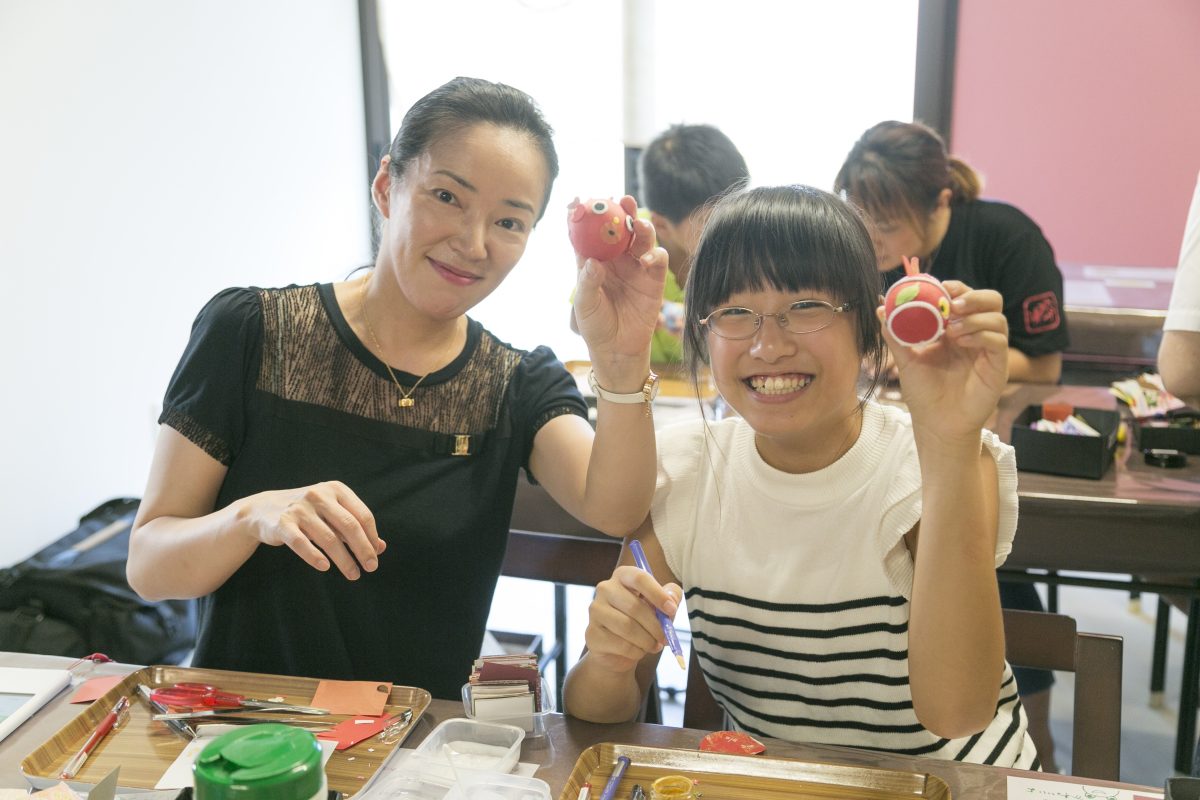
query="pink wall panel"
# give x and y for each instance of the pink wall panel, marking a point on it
(1086, 114)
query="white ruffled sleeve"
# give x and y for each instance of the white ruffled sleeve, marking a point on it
(902, 510)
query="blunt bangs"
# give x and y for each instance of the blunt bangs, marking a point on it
(787, 238)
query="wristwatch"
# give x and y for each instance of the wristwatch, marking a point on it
(646, 395)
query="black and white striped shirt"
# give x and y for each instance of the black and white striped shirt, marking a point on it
(797, 586)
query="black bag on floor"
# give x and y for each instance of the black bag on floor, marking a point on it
(72, 598)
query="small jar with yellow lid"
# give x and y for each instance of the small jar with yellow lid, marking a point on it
(673, 787)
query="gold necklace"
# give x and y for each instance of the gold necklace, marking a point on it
(405, 400)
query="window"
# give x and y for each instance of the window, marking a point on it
(793, 84)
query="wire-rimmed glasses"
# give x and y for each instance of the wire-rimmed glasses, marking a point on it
(802, 316)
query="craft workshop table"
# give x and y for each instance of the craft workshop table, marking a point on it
(1137, 519)
(1114, 316)
(556, 753)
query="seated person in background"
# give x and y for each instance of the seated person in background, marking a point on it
(838, 556)
(680, 173)
(925, 203)
(337, 463)
(1179, 352)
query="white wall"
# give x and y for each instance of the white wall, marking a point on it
(151, 154)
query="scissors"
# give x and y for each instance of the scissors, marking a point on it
(200, 696)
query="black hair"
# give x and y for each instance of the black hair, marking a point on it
(788, 238)
(687, 166)
(463, 103)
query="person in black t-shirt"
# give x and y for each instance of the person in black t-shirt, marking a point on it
(337, 464)
(926, 203)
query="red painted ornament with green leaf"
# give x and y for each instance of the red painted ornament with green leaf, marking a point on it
(916, 307)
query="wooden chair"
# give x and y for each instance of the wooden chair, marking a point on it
(1033, 639)
(1050, 641)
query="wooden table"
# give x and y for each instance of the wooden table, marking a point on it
(1114, 317)
(1137, 519)
(555, 753)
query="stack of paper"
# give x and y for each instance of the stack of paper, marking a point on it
(505, 686)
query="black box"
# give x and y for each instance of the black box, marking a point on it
(1181, 788)
(1158, 435)
(1065, 453)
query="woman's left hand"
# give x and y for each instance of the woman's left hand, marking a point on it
(617, 305)
(956, 382)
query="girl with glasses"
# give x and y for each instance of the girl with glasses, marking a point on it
(837, 555)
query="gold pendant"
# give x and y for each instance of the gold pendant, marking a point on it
(405, 402)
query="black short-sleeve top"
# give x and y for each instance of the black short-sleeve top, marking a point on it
(992, 245)
(275, 385)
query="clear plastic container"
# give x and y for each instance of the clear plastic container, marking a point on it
(467, 744)
(492, 786)
(408, 786)
(532, 722)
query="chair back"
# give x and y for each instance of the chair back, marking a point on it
(700, 709)
(1032, 639)
(1051, 641)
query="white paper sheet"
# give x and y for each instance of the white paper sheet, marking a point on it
(1035, 789)
(179, 774)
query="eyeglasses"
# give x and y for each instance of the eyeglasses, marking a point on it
(802, 316)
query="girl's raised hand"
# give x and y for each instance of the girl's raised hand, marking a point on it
(622, 627)
(617, 302)
(956, 382)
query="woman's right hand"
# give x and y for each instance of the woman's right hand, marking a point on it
(622, 626)
(321, 523)
(617, 305)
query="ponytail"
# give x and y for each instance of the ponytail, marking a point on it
(965, 183)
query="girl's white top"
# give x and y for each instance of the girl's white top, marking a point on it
(798, 586)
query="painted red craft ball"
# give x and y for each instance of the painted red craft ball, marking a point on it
(916, 309)
(732, 742)
(599, 228)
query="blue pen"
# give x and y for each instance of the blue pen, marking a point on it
(610, 788)
(639, 556)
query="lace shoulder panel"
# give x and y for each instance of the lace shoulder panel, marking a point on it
(305, 360)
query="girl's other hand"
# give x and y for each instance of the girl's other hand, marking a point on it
(321, 523)
(617, 304)
(955, 383)
(622, 626)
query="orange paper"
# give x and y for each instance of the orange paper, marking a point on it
(363, 698)
(353, 731)
(95, 688)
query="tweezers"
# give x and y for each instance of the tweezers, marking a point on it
(177, 725)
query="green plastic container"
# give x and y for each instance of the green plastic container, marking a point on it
(261, 762)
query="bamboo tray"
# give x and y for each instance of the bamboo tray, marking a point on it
(144, 748)
(729, 777)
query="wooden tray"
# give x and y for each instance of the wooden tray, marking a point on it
(730, 777)
(144, 748)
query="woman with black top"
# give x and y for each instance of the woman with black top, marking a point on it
(926, 203)
(337, 464)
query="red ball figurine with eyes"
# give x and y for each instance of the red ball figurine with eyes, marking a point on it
(916, 307)
(599, 228)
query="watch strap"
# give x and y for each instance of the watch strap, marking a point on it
(646, 395)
